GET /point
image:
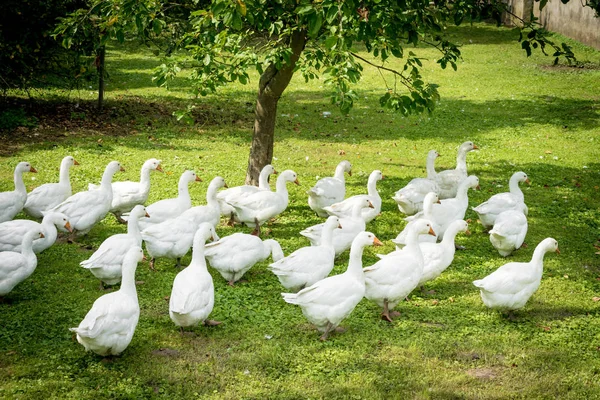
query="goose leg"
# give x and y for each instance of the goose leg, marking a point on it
(178, 264)
(118, 217)
(256, 231)
(385, 315)
(231, 283)
(326, 333)
(151, 265)
(231, 221)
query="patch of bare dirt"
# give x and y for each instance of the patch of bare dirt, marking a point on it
(482, 373)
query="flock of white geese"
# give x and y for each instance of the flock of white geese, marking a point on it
(435, 207)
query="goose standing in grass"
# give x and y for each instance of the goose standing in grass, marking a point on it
(310, 264)
(85, 209)
(128, 194)
(329, 190)
(170, 208)
(450, 179)
(329, 301)
(257, 208)
(430, 200)
(174, 237)
(11, 203)
(236, 193)
(235, 254)
(511, 285)
(108, 327)
(193, 294)
(49, 195)
(410, 197)
(343, 237)
(392, 278)
(344, 208)
(16, 267)
(12, 232)
(509, 231)
(105, 263)
(513, 200)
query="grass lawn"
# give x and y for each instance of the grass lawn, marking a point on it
(523, 113)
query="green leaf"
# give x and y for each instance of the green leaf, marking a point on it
(314, 24)
(206, 59)
(306, 9)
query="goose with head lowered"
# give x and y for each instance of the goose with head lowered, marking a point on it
(329, 301)
(449, 180)
(193, 295)
(85, 209)
(257, 208)
(410, 197)
(128, 194)
(108, 327)
(11, 203)
(329, 190)
(12, 232)
(15, 267)
(48, 195)
(235, 193)
(509, 231)
(344, 208)
(513, 200)
(105, 263)
(510, 286)
(430, 200)
(310, 264)
(235, 254)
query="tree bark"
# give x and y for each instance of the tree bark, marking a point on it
(271, 86)
(100, 67)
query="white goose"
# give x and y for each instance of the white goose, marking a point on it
(170, 208)
(193, 294)
(438, 256)
(85, 209)
(108, 327)
(343, 237)
(430, 200)
(329, 190)
(236, 193)
(329, 301)
(410, 197)
(12, 232)
(509, 231)
(344, 208)
(257, 208)
(128, 194)
(16, 267)
(392, 278)
(235, 254)
(450, 210)
(11, 203)
(174, 237)
(49, 195)
(105, 263)
(513, 200)
(511, 285)
(450, 179)
(308, 265)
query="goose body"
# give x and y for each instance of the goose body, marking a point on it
(105, 264)
(108, 327)
(410, 197)
(449, 180)
(393, 277)
(438, 256)
(498, 203)
(85, 209)
(235, 254)
(237, 193)
(308, 265)
(11, 203)
(343, 237)
(430, 200)
(49, 195)
(329, 190)
(344, 208)
(166, 209)
(193, 294)
(509, 231)
(511, 285)
(16, 267)
(329, 301)
(12, 232)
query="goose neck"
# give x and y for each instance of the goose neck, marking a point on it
(133, 227)
(64, 178)
(107, 178)
(263, 179)
(461, 160)
(514, 187)
(19, 184)
(339, 173)
(431, 174)
(128, 278)
(327, 236)
(372, 188)
(355, 261)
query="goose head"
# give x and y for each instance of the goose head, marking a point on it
(289, 176)
(139, 211)
(217, 183)
(521, 177)
(59, 219)
(375, 176)
(346, 167)
(113, 167)
(460, 226)
(333, 222)
(153, 164)
(189, 176)
(472, 182)
(69, 161)
(549, 244)
(366, 239)
(205, 231)
(24, 166)
(468, 146)
(423, 227)
(431, 198)
(133, 256)
(432, 155)
(269, 169)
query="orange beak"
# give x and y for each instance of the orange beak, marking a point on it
(431, 232)
(475, 147)
(377, 242)
(557, 251)
(31, 169)
(275, 172)
(147, 215)
(467, 232)
(370, 204)
(339, 226)
(527, 181)
(439, 155)
(382, 177)
(198, 179)
(477, 187)
(225, 185)
(42, 235)
(122, 169)
(438, 202)
(68, 227)
(350, 173)
(297, 182)
(159, 168)
(75, 162)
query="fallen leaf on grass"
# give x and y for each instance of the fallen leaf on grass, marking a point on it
(596, 298)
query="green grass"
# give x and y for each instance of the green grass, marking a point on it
(523, 114)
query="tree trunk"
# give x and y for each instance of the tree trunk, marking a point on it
(270, 88)
(100, 67)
